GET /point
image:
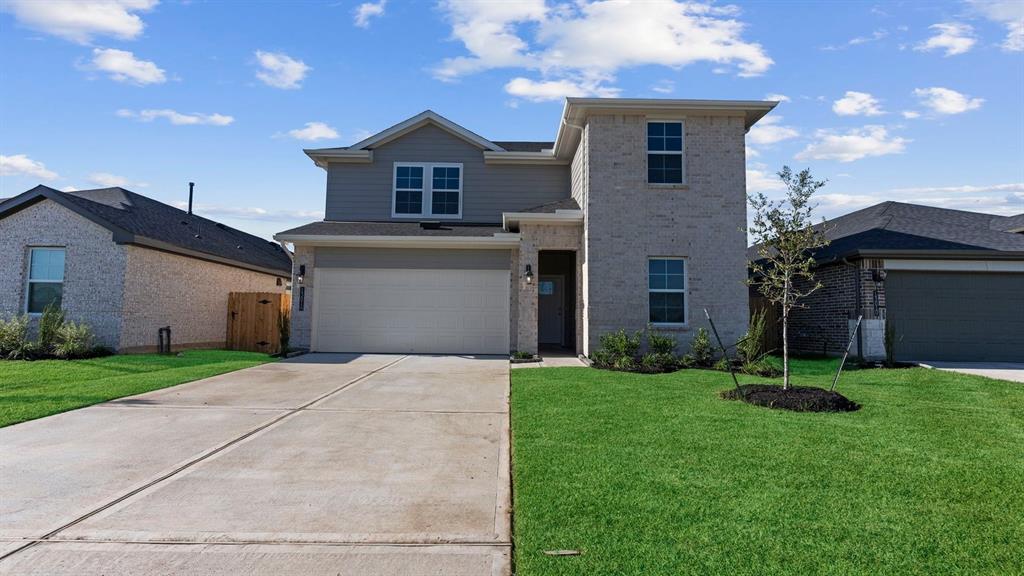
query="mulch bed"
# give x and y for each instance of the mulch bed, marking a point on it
(797, 398)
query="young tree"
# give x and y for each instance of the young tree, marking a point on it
(786, 239)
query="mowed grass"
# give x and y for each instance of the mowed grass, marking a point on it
(30, 390)
(657, 475)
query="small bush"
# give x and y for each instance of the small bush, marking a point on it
(50, 324)
(518, 355)
(701, 353)
(661, 344)
(618, 351)
(766, 367)
(73, 341)
(751, 348)
(625, 364)
(14, 341)
(658, 362)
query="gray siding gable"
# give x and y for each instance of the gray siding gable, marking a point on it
(362, 192)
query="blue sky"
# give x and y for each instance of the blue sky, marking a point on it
(889, 101)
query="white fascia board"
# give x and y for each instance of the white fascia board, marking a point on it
(322, 157)
(543, 157)
(558, 217)
(503, 240)
(955, 265)
(419, 120)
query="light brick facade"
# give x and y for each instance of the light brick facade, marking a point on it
(124, 292)
(628, 220)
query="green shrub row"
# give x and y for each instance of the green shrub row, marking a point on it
(56, 338)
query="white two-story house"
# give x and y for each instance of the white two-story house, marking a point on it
(438, 240)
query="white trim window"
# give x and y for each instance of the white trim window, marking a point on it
(666, 290)
(427, 190)
(666, 163)
(45, 284)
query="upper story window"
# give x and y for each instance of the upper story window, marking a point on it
(427, 189)
(665, 152)
(45, 279)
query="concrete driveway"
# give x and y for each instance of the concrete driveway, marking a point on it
(324, 464)
(1013, 371)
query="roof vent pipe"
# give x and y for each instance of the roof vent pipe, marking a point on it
(191, 186)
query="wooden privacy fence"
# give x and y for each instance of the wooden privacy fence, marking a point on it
(254, 320)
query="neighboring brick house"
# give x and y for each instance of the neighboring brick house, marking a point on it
(128, 265)
(950, 282)
(437, 240)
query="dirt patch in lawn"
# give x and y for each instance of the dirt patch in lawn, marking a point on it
(796, 398)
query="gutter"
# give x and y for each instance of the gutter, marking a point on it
(498, 240)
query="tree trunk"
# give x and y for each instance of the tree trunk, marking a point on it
(785, 336)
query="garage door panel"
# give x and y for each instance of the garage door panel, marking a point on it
(957, 316)
(400, 310)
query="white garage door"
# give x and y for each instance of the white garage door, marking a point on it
(411, 311)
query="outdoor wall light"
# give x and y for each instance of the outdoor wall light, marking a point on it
(529, 274)
(302, 274)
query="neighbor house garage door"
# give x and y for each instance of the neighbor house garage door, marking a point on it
(437, 311)
(957, 316)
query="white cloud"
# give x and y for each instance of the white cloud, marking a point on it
(858, 40)
(857, 104)
(541, 90)
(777, 97)
(123, 66)
(78, 20)
(769, 131)
(664, 87)
(911, 114)
(946, 101)
(364, 12)
(22, 165)
(251, 212)
(1003, 199)
(280, 70)
(314, 131)
(586, 43)
(107, 180)
(69, 189)
(179, 118)
(855, 144)
(759, 180)
(1009, 13)
(953, 37)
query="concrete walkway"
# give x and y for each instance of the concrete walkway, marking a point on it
(1013, 371)
(324, 464)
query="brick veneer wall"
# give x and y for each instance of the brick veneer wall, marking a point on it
(533, 239)
(628, 220)
(187, 294)
(93, 266)
(302, 320)
(822, 324)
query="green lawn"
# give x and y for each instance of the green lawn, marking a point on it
(657, 475)
(31, 390)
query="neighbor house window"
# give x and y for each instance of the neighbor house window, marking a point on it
(430, 190)
(665, 152)
(666, 286)
(45, 279)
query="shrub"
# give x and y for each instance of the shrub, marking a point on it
(14, 341)
(751, 347)
(661, 344)
(701, 353)
(658, 362)
(50, 324)
(73, 341)
(519, 355)
(284, 327)
(766, 367)
(618, 351)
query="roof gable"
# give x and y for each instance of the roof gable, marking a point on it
(418, 121)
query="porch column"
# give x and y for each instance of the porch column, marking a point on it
(526, 340)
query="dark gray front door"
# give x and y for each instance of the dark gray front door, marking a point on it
(957, 316)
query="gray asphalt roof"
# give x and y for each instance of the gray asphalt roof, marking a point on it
(524, 146)
(117, 208)
(901, 227)
(330, 228)
(551, 207)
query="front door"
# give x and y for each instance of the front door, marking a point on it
(550, 310)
